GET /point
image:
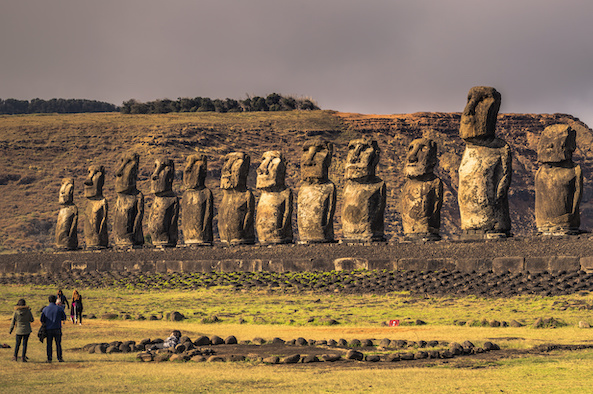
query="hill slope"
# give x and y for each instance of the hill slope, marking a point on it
(38, 150)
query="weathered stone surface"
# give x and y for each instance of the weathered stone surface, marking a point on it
(422, 195)
(271, 360)
(164, 213)
(365, 194)
(197, 204)
(67, 224)
(274, 209)
(96, 212)
(292, 359)
(129, 204)
(558, 183)
(354, 355)
(237, 209)
(317, 195)
(330, 357)
(485, 169)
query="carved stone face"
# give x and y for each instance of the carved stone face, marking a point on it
(93, 184)
(479, 116)
(67, 191)
(421, 157)
(126, 173)
(162, 176)
(235, 171)
(362, 160)
(556, 144)
(271, 171)
(194, 174)
(316, 159)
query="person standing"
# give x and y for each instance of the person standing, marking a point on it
(76, 308)
(62, 300)
(21, 320)
(53, 315)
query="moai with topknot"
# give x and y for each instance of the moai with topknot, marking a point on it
(164, 213)
(129, 204)
(422, 195)
(485, 169)
(274, 209)
(317, 195)
(95, 221)
(558, 183)
(67, 224)
(237, 210)
(363, 205)
(196, 203)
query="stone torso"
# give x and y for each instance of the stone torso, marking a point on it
(163, 221)
(363, 210)
(197, 208)
(95, 223)
(67, 228)
(235, 217)
(484, 178)
(127, 223)
(421, 203)
(316, 207)
(274, 217)
(557, 197)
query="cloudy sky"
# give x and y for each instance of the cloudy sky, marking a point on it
(368, 56)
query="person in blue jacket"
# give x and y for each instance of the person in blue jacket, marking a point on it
(53, 316)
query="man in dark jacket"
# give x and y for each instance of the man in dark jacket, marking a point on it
(53, 315)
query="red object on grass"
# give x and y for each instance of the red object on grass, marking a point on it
(393, 323)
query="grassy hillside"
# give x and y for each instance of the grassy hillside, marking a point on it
(38, 150)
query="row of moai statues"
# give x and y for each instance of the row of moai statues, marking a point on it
(484, 180)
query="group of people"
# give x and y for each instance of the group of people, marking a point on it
(52, 317)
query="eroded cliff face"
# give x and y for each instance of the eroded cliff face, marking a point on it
(39, 151)
(520, 131)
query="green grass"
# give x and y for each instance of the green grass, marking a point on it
(360, 318)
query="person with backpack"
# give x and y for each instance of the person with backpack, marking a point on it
(53, 315)
(21, 320)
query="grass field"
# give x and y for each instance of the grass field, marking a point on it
(359, 316)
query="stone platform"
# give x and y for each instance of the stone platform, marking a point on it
(533, 254)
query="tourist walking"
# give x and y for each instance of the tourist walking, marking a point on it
(76, 308)
(21, 321)
(62, 300)
(53, 315)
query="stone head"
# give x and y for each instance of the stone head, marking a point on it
(316, 159)
(271, 171)
(479, 116)
(234, 171)
(194, 174)
(93, 184)
(126, 173)
(67, 191)
(421, 157)
(363, 157)
(556, 144)
(162, 177)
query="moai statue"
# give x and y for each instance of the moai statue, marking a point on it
(164, 213)
(274, 209)
(364, 194)
(485, 169)
(422, 195)
(129, 205)
(95, 221)
(196, 204)
(67, 225)
(558, 182)
(237, 209)
(317, 195)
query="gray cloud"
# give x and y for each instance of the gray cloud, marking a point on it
(374, 56)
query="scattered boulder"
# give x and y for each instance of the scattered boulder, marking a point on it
(216, 340)
(271, 360)
(330, 357)
(278, 341)
(584, 324)
(161, 357)
(230, 340)
(213, 359)
(373, 358)
(354, 343)
(258, 341)
(236, 357)
(202, 341)
(198, 358)
(293, 359)
(309, 358)
(176, 316)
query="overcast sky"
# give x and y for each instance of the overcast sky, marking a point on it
(367, 56)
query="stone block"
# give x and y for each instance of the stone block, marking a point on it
(438, 264)
(350, 264)
(512, 264)
(478, 265)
